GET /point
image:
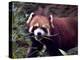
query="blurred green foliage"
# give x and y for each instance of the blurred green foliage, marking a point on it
(18, 31)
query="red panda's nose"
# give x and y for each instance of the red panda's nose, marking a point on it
(39, 33)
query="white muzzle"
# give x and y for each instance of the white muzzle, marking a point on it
(39, 31)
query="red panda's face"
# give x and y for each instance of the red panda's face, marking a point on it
(39, 25)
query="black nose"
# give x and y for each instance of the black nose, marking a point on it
(39, 33)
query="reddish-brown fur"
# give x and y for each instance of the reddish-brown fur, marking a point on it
(67, 27)
(41, 20)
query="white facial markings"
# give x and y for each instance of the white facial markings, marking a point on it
(43, 25)
(39, 30)
(29, 19)
(51, 21)
(30, 29)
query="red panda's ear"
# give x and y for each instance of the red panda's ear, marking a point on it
(51, 20)
(29, 19)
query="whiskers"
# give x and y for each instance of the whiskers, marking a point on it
(52, 35)
(47, 37)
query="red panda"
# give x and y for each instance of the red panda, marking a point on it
(61, 33)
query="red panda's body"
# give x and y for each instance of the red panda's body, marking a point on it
(67, 27)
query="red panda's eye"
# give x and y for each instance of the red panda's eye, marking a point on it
(34, 27)
(44, 29)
